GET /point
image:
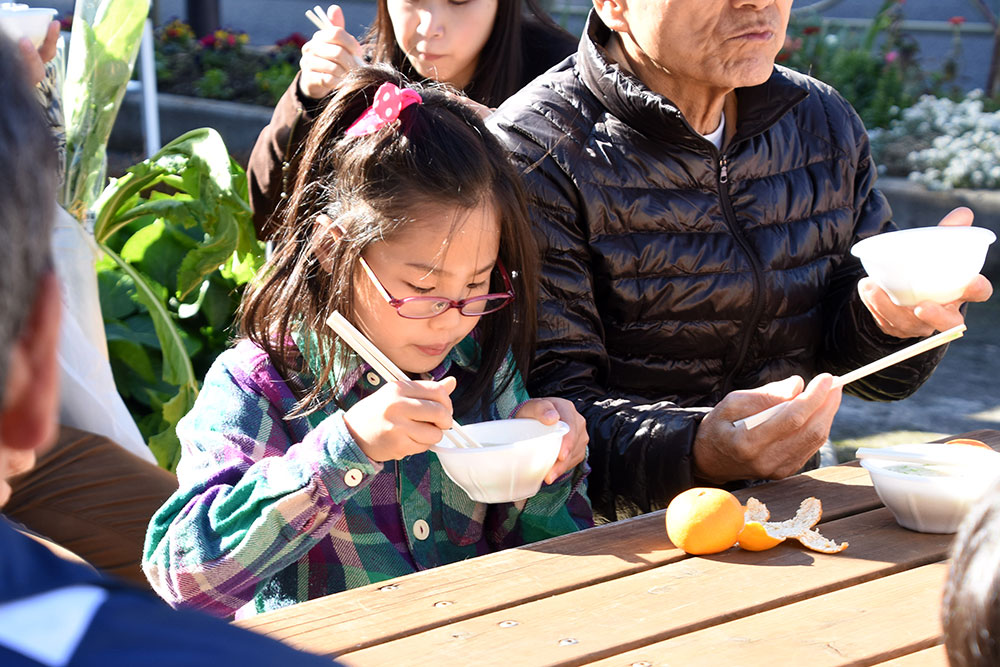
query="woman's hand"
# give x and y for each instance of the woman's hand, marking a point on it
(328, 57)
(926, 317)
(574, 443)
(401, 418)
(35, 59)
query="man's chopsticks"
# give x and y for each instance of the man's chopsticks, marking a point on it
(874, 367)
(382, 365)
(321, 20)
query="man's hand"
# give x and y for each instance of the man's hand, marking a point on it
(35, 59)
(778, 447)
(926, 317)
(328, 57)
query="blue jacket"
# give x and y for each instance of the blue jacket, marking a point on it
(61, 614)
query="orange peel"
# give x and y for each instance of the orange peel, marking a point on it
(759, 533)
(972, 442)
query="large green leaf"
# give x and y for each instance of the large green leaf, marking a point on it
(177, 367)
(165, 445)
(116, 292)
(132, 354)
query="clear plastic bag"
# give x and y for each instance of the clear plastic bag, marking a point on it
(89, 399)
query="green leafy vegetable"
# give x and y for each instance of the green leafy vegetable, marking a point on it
(180, 246)
(106, 35)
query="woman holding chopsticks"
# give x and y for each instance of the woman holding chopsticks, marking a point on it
(303, 472)
(487, 49)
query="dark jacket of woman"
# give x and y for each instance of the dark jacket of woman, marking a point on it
(675, 273)
(275, 156)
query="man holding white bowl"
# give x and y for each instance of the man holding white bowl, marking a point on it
(696, 206)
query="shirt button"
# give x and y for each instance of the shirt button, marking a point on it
(373, 378)
(353, 477)
(421, 530)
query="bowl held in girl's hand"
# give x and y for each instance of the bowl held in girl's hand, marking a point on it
(926, 263)
(933, 497)
(19, 20)
(515, 456)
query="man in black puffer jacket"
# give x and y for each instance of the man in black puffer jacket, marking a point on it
(696, 206)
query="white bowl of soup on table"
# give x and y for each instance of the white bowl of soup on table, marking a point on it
(512, 462)
(933, 490)
(925, 264)
(19, 20)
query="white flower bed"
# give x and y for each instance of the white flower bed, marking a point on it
(959, 143)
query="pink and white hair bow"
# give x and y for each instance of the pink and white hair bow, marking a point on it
(389, 101)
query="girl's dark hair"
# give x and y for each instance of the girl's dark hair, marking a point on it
(500, 67)
(971, 606)
(437, 154)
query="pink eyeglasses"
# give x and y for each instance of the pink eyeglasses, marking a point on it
(424, 307)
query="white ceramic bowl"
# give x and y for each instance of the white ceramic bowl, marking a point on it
(18, 20)
(512, 463)
(938, 503)
(926, 263)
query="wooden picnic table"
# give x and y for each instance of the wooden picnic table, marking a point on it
(621, 594)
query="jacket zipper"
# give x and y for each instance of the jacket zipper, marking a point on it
(758, 273)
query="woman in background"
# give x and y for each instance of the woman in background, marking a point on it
(488, 49)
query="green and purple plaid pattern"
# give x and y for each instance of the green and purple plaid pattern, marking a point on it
(272, 511)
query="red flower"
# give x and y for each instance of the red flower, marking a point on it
(66, 23)
(956, 20)
(296, 39)
(231, 39)
(781, 57)
(207, 41)
(810, 30)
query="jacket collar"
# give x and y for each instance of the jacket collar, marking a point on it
(628, 98)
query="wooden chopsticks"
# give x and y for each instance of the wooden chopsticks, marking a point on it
(382, 365)
(875, 366)
(321, 20)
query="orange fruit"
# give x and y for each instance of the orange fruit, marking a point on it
(754, 537)
(704, 520)
(968, 441)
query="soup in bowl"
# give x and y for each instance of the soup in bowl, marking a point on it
(933, 497)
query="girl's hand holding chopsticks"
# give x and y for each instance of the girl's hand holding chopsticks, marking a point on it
(402, 418)
(329, 56)
(574, 443)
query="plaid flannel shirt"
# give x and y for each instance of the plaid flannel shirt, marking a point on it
(272, 511)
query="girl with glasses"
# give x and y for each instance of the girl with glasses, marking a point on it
(302, 471)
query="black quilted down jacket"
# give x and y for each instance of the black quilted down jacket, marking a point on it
(674, 274)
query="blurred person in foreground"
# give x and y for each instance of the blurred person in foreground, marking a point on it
(970, 611)
(87, 494)
(55, 611)
(696, 206)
